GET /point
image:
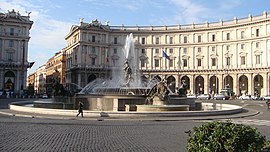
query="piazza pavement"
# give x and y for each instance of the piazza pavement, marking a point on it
(25, 132)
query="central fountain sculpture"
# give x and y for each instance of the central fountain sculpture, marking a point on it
(125, 90)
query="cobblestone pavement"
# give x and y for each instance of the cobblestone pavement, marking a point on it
(79, 134)
(26, 134)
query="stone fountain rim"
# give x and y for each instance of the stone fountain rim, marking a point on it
(19, 106)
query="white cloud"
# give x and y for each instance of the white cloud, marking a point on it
(47, 38)
(47, 35)
(189, 11)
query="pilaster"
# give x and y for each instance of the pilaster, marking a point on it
(250, 84)
(191, 78)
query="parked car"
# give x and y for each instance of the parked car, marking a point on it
(204, 97)
(245, 97)
(191, 96)
(255, 97)
(221, 97)
(266, 97)
(44, 96)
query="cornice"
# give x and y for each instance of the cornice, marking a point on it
(194, 71)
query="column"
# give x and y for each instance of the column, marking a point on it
(220, 82)
(17, 81)
(235, 84)
(265, 89)
(1, 78)
(152, 59)
(191, 78)
(205, 83)
(79, 57)
(250, 84)
(177, 81)
(79, 79)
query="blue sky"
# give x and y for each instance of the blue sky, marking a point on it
(53, 18)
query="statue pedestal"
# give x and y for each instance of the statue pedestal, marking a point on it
(157, 101)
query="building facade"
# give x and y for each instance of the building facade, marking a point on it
(208, 57)
(40, 80)
(14, 38)
(55, 71)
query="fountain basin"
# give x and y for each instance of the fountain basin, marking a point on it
(209, 109)
(147, 108)
(97, 102)
(53, 105)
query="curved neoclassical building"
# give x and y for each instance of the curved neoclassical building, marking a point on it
(208, 56)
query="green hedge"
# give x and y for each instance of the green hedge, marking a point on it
(225, 137)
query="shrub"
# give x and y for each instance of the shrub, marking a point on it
(225, 137)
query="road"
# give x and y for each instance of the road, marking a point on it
(78, 134)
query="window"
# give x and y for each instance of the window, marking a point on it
(75, 38)
(213, 37)
(84, 48)
(258, 59)
(142, 63)
(257, 32)
(199, 49)
(242, 46)
(242, 34)
(93, 61)
(228, 47)
(214, 62)
(243, 60)
(199, 62)
(156, 62)
(93, 38)
(157, 40)
(228, 61)
(9, 56)
(171, 51)
(143, 40)
(157, 51)
(115, 51)
(171, 63)
(199, 38)
(185, 39)
(11, 43)
(115, 40)
(185, 50)
(143, 51)
(213, 49)
(171, 40)
(257, 45)
(185, 62)
(228, 36)
(93, 50)
(11, 31)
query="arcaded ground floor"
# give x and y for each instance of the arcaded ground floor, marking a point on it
(257, 83)
(247, 81)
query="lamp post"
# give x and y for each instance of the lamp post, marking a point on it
(200, 89)
(214, 87)
(243, 86)
(258, 89)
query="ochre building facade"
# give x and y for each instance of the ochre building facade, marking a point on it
(208, 56)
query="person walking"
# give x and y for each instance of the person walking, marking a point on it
(80, 110)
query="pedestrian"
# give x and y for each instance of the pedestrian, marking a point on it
(268, 103)
(80, 110)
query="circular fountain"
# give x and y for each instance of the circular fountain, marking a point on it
(125, 93)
